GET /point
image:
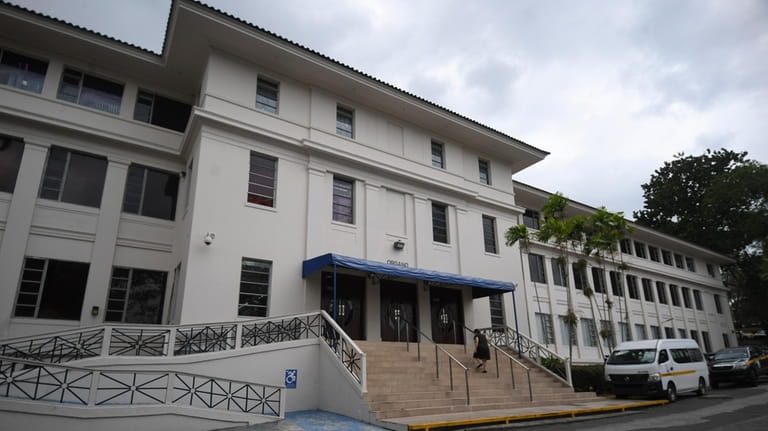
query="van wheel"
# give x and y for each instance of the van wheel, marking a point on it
(702, 387)
(671, 392)
(753, 377)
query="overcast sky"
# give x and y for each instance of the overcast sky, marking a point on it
(611, 89)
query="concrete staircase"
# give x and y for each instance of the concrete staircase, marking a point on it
(399, 385)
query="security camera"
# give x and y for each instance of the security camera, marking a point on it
(209, 237)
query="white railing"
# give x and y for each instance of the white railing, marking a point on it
(557, 365)
(183, 340)
(62, 384)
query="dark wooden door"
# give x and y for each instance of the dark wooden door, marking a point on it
(447, 313)
(398, 305)
(350, 300)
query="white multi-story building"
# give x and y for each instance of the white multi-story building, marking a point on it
(239, 175)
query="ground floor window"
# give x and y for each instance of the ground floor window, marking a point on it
(136, 296)
(640, 332)
(497, 311)
(546, 333)
(254, 287)
(51, 289)
(589, 332)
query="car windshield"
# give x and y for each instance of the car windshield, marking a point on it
(632, 356)
(731, 354)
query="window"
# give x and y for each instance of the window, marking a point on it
(589, 332)
(647, 289)
(718, 306)
(485, 171)
(695, 335)
(76, 178)
(343, 200)
(686, 297)
(655, 332)
(606, 333)
(531, 219)
(51, 289)
(261, 180)
(579, 276)
(151, 193)
(626, 246)
(559, 276)
(679, 261)
(136, 296)
(697, 300)
(711, 270)
(632, 287)
(565, 332)
(661, 292)
(707, 342)
(640, 249)
(536, 263)
(254, 287)
(673, 295)
(345, 122)
(640, 331)
(616, 287)
(624, 332)
(598, 278)
(546, 332)
(666, 257)
(266, 95)
(489, 234)
(669, 332)
(437, 155)
(653, 253)
(497, 311)
(690, 264)
(11, 151)
(681, 333)
(20, 71)
(439, 223)
(726, 340)
(160, 111)
(86, 90)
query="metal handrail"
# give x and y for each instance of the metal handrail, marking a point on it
(437, 350)
(512, 361)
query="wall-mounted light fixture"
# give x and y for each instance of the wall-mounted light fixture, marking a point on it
(95, 310)
(398, 245)
(209, 237)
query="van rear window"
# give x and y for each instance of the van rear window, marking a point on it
(683, 356)
(632, 356)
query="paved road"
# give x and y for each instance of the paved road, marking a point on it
(726, 409)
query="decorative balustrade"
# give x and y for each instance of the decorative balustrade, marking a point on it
(537, 353)
(54, 383)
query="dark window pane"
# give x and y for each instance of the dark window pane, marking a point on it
(439, 223)
(101, 94)
(143, 109)
(85, 180)
(19, 71)
(64, 290)
(489, 234)
(54, 173)
(344, 122)
(160, 194)
(11, 151)
(485, 176)
(531, 219)
(261, 183)
(170, 114)
(134, 185)
(254, 287)
(146, 297)
(437, 155)
(70, 86)
(266, 95)
(343, 200)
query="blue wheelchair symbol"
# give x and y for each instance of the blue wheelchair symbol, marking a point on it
(291, 377)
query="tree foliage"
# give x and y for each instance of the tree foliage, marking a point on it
(718, 200)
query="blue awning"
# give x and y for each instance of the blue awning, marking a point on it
(481, 287)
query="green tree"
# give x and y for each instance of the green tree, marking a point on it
(719, 200)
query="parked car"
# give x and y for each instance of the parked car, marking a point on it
(656, 368)
(738, 364)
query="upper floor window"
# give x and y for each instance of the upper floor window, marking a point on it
(51, 289)
(640, 249)
(438, 160)
(266, 95)
(697, 300)
(647, 289)
(579, 276)
(711, 270)
(439, 223)
(686, 297)
(661, 292)
(73, 177)
(679, 261)
(485, 171)
(690, 264)
(11, 150)
(489, 234)
(136, 296)
(160, 111)
(558, 272)
(345, 122)
(22, 72)
(531, 219)
(536, 264)
(718, 306)
(653, 253)
(673, 295)
(151, 193)
(254, 287)
(666, 257)
(261, 180)
(343, 200)
(616, 287)
(626, 246)
(598, 278)
(97, 93)
(632, 287)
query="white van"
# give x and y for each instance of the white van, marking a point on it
(657, 368)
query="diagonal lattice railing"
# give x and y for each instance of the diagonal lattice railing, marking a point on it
(61, 384)
(172, 341)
